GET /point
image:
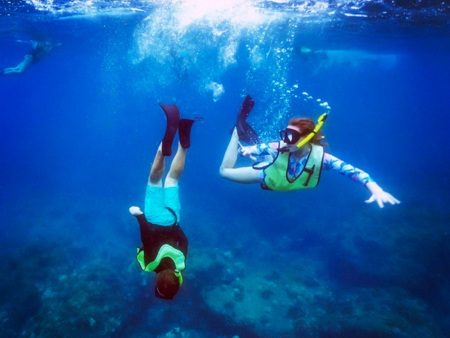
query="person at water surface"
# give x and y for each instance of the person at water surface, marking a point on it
(295, 162)
(39, 50)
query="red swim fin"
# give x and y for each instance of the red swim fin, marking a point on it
(173, 118)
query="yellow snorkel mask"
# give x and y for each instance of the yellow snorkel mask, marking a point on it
(320, 121)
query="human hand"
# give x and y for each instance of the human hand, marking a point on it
(247, 151)
(380, 196)
(135, 211)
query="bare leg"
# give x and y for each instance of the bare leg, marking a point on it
(230, 157)
(176, 168)
(158, 167)
(227, 170)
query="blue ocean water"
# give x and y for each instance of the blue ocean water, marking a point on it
(78, 133)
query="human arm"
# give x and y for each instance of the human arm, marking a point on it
(262, 149)
(136, 211)
(331, 162)
(142, 220)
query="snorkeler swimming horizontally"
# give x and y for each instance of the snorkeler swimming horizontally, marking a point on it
(39, 49)
(293, 163)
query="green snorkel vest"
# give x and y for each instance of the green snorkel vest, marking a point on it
(276, 174)
(166, 250)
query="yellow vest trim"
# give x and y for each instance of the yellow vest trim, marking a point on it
(179, 276)
(166, 250)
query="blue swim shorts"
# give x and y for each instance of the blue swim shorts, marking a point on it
(156, 201)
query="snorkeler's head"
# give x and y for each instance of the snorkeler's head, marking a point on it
(167, 283)
(305, 127)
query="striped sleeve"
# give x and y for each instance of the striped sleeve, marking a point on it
(331, 162)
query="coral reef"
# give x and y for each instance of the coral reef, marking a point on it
(299, 301)
(89, 302)
(365, 278)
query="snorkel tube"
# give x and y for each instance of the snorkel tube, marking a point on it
(320, 121)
